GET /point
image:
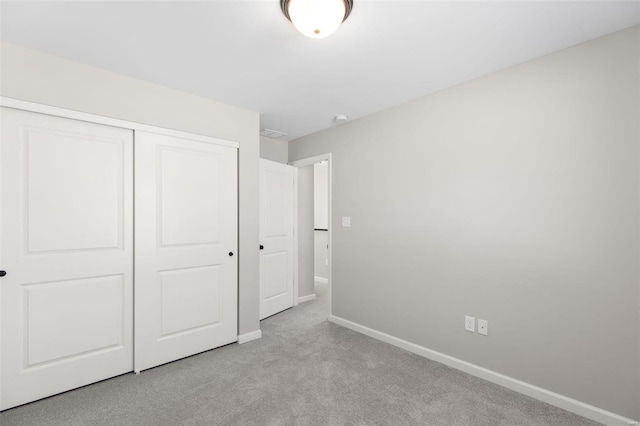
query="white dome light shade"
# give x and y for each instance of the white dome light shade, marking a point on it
(316, 18)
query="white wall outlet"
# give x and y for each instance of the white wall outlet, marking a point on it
(470, 324)
(326, 262)
(483, 327)
(346, 221)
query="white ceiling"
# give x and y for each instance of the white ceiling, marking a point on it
(245, 53)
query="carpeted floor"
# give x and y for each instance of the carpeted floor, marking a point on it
(304, 371)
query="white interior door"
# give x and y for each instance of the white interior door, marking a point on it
(186, 248)
(66, 223)
(276, 237)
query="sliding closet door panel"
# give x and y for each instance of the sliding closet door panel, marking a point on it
(186, 248)
(66, 222)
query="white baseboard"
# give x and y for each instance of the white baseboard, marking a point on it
(308, 298)
(321, 280)
(248, 337)
(561, 401)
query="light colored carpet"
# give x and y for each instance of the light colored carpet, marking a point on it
(304, 371)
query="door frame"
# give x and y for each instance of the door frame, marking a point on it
(295, 238)
(308, 162)
(108, 121)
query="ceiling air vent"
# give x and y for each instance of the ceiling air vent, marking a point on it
(274, 134)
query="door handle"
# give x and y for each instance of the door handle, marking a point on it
(230, 253)
(3, 273)
(261, 247)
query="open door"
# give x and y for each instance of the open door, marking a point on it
(277, 182)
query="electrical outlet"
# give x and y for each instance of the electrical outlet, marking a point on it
(470, 324)
(483, 327)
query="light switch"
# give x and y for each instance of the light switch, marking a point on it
(346, 221)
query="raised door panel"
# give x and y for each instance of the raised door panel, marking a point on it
(186, 216)
(277, 187)
(73, 190)
(91, 308)
(275, 274)
(190, 300)
(67, 246)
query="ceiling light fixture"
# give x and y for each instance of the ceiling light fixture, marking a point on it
(316, 18)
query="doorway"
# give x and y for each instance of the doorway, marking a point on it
(314, 228)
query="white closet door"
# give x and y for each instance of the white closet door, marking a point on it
(276, 237)
(66, 226)
(186, 248)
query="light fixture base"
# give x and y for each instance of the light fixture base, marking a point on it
(348, 5)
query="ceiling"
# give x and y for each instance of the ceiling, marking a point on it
(245, 53)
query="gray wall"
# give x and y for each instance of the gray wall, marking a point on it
(305, 231)
(274, 149)
(38, 77)
(512, 198)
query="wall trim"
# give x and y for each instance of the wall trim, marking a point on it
(310, 160)
(296, 268)
(307, 298)
(321, 280)
(248, 337)
(544, 395)
(109, 121)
